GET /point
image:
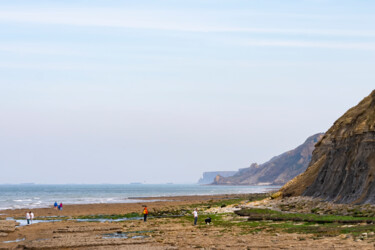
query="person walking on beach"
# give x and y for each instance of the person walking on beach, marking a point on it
(195, 213)
(31, 217)
(28, 217)
(55, 205)
(60, 206)
(145, 213)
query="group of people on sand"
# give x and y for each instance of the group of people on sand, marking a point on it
(29, 217)
(58, 206)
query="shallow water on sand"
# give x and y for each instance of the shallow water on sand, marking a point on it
(12, 241)
(126, 235)
(23, 222)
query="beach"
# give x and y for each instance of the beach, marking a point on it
(161, 203)
(170, 226)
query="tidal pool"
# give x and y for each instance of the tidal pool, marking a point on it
(12, 241)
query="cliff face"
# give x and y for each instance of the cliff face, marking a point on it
(342, 168)
(278, 170)
(208, 177)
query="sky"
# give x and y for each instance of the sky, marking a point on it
(161, 91)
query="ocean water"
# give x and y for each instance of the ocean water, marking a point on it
(36, 196)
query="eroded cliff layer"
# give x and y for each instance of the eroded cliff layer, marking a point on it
(276, 171)
(342, 168)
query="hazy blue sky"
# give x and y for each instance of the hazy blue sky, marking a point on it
(160, 91)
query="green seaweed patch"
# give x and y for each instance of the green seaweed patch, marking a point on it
(226, 221)
(169, 212)
(46, 218)
(52, 218)
(232, 200)
(107, 216)
(267, 214)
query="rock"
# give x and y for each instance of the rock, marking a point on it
(208, 177)
(8, 225)
(343, 162)
(278, 170)
(3, 234)
(342, 236)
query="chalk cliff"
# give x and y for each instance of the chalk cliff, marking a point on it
(342, 168)
(208, 177)
(278, 170)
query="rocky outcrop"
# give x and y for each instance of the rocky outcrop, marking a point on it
(342, 168)
(7, 226)
(208, 177)
(278, 170)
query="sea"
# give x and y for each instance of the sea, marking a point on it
(38, 196)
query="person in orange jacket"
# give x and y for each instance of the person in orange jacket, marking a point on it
(145, 213)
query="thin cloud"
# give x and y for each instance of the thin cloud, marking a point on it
(306, 44)
(153, 20)
(63, 66)
(37, 49)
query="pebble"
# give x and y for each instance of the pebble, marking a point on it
(343, 236)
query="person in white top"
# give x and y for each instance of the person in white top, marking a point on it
(31, 217)
(195, 213)
(28, 217)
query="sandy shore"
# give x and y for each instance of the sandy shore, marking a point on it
(158, 233)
